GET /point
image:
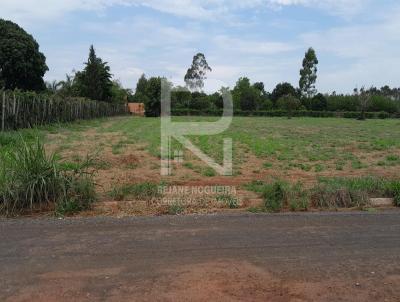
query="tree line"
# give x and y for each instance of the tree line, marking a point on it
(22, 66)
(253, 97)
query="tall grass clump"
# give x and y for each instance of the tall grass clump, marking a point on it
(279, 195)
(31, 180)
(327, 193)
(349, 192)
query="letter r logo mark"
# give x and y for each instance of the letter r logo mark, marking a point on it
(178, 130)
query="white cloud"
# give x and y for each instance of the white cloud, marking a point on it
(251, 47)
(359, 54)
(27, 10)
(355, 53)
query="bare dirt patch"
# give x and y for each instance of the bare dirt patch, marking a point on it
(124, 161)
(209, 281)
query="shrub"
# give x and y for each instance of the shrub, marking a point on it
(274, 196)
(209, 172)
(288, 103)
(32, 180)
(176, 209)
(392, 189)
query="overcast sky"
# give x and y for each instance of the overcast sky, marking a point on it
(357, 41)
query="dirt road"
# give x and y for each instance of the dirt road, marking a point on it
(289, 257)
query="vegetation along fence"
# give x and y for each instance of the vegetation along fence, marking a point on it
(27, 110)
(283, 113)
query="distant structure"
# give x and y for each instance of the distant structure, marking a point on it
(136, 109)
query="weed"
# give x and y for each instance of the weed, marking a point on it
(175, 209)
(229, 201)
(392, 158)
(209, 172)
(256, 210)
(32, 180)
(274, 196)
(268, 165)
(319, 168)
(188, 165)
(357, 164)
(139, 191)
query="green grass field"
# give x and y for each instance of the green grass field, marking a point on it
(307, 144)
(300, 153)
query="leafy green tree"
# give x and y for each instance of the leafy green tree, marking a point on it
(119, 94)
(181, 98)
(153, 97)
(364, 99)
(289, 103)
(246, 96)
(148, 91)
(216, 100)
(308, 74)
(196, 74)
(141, 85)
(53, 87)
(68, 87)
(94, 81)
(282, 89)
(260, 87)
(318, 103)
(200, 101)
(22, 65)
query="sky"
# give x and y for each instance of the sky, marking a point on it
(357, 41)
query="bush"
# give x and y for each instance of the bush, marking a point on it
(274, 196)
(383, 104)
(343, 103)
(393, 190)
(32, 180)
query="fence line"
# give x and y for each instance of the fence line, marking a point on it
(27, 110)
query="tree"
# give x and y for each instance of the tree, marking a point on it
(364, 98)
(22, 65)
(245, 96)
(119, 94)
(148, 91)
(318, 103)
(289, 103)
(94, 81)
(67, 87)
(53, 87)
(260, 87)
(141, 85)
(281, 90)
(196, 74)
(308, 74)
(180, 98)
(153, 97)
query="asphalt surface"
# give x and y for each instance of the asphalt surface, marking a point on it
(243, 257)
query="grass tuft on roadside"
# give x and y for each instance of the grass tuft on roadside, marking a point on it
(31, 180)
(328, 193)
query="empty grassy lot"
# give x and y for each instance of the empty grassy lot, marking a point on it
(300, 150)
